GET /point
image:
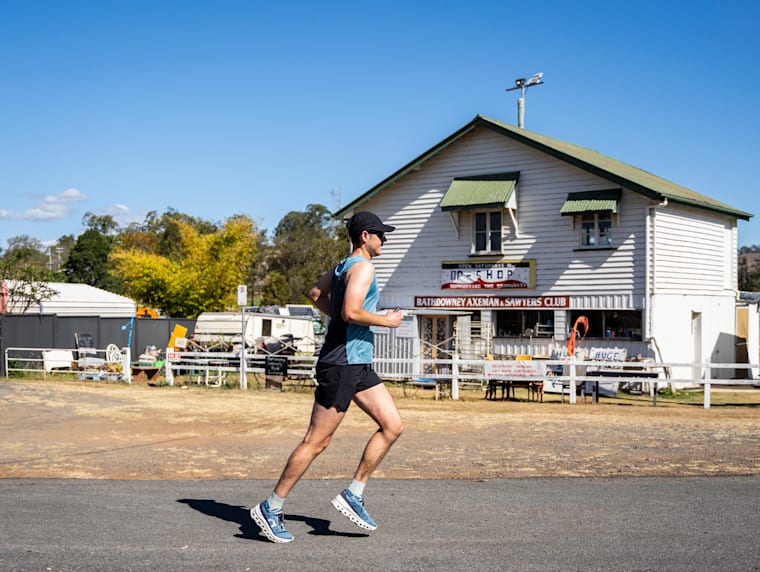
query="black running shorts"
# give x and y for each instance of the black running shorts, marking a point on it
(337, 384)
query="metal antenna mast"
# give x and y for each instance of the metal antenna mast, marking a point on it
(522, 84)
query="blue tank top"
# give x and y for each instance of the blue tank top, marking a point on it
(346, 343)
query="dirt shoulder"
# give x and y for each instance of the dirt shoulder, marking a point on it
(115, 431)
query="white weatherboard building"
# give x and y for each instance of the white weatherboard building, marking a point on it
(523, 233)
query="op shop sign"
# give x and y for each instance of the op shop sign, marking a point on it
(486, 275)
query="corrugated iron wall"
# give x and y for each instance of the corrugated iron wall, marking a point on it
(52, 331)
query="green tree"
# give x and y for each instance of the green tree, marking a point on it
(24, 268)
(275, 291)
(749, 268)
(161, 234)
(200, 275)
(59, 253)
(304, 246)
(104, 224)
(27, 285)
(87, 262)
(25, 251)
(749, 280)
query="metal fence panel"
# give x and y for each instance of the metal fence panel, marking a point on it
(65, 328)
(52, 331)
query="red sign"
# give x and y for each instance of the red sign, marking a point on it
(493, 302)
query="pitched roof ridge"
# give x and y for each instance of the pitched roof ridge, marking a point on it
(595, 162)
(622, 173)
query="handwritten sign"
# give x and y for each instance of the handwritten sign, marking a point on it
(515, 369)
(276, 365)
(608, 354)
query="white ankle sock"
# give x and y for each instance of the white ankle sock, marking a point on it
(275, 502)
(357, 487)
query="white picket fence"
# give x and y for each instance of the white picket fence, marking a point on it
(569, 374)
(212, 367)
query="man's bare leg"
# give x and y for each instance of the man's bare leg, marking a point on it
(322, 426)
(268, 514)
(378, 403)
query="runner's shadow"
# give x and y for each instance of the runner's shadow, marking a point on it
(249, 529)
(321, 527)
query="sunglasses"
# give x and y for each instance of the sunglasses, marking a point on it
(380, 235)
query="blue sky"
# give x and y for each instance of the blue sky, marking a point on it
(221, 107)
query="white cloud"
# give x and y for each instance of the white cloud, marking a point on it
(68, 196)
(49, 207)
(58, 206)
(122, 215)
(47, 211)
(117, 209)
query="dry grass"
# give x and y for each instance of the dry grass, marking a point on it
(111, 430)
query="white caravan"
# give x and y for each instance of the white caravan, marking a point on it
(221, 331)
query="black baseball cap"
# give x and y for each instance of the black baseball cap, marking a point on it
(365, 220)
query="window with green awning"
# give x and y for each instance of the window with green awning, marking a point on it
(481, 192)
(591, 202)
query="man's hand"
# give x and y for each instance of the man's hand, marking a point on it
(394, 318)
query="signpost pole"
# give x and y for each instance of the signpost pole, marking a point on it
(242, 295)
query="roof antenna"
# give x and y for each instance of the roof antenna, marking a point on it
(522, 84)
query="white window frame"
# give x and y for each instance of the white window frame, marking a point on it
(592, 233)
(488, 232)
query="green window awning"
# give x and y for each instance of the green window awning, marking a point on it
(591, 201)
(481, 192)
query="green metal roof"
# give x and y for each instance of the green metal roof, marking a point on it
(479, 192)
(591, 201)
(616, 172)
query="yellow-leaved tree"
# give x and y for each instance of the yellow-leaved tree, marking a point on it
(201, 276)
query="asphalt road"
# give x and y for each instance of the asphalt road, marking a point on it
(694, 524)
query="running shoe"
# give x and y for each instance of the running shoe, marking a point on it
(352, 506)
(270, 523)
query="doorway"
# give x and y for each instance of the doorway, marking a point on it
(437, 335)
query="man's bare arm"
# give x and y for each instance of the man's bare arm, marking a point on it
(358, 280)
(320, 292)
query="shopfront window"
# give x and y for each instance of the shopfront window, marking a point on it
(610, 324)
(525, 323)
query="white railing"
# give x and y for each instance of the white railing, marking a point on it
(212, 367)
(568, 374)
(112, 363)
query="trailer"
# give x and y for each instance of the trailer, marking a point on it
(221, 331)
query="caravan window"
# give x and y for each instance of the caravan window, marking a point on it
(266, 327)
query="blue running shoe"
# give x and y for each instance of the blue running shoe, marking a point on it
(270, 523)
(353, 507)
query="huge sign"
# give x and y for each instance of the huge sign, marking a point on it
(500, 275)
(493, 302)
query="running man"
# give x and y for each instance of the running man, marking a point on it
(348, 294)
